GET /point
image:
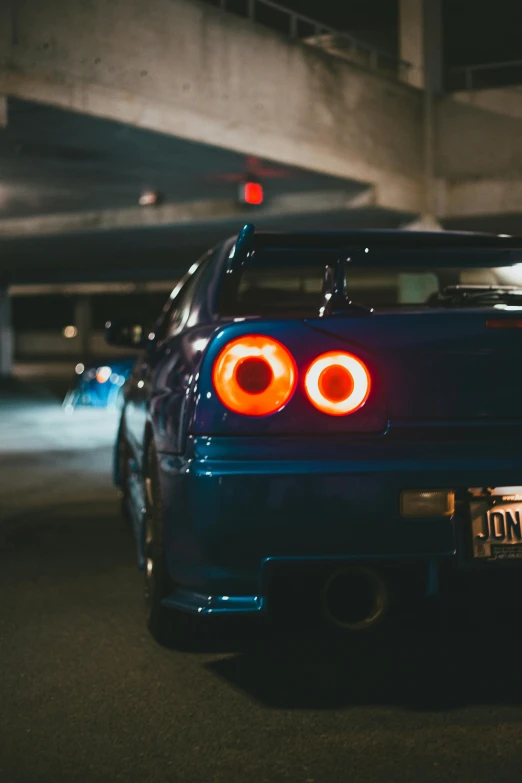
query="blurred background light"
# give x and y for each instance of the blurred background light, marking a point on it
(103, 374)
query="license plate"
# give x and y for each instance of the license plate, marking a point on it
(496, 530)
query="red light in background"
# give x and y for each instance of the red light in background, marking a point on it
(252, 193)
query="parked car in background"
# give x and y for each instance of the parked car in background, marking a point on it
(331, 416)
(98, 385)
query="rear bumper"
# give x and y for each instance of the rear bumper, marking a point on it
(236, 507)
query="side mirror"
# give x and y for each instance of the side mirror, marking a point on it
(126, 335)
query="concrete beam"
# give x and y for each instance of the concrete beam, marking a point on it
(482, 198)
(89, 289)
(110, 219)
(186, 214)
(238, 86)
(501, 100)
(475, 142)
(422, 223)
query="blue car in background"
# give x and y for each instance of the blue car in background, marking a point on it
(99, 385)
(331, 420)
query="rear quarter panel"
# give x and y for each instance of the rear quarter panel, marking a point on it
(174, 387)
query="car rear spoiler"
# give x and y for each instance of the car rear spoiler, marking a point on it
(368, 249)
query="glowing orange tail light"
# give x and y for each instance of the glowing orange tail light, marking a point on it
(337, 383)
(254, 375)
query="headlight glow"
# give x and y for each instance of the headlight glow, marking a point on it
(103, 374)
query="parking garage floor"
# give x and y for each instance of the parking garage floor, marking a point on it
(86, 695)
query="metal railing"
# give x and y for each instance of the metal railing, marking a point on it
(310, 31)
(484, 75)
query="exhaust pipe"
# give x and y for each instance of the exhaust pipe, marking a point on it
(355, 598)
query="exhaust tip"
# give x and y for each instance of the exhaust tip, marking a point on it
(355, 598)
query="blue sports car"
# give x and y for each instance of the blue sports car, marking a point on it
(331, 420)
(98, 385)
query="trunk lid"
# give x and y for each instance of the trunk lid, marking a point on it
(438, 364)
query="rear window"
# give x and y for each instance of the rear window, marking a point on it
(291, 282)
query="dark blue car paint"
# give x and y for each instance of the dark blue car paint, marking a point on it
(240, 493)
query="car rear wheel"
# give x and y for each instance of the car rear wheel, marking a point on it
(123, 471)
(168, 627)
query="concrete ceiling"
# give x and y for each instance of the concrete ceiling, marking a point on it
(150, 253)
(54, 162)
(58, 161)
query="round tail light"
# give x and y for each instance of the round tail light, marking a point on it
(254, 375)
(337, 383)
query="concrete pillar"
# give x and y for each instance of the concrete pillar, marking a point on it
(82, 321)
(6, 334)
(3, 111)
(411, 39)
(433, 59)
(420, 42)
(8, 29)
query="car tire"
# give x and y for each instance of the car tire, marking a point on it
(169, 627)
(123, 474)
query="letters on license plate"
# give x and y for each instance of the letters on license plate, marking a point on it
(497, 530)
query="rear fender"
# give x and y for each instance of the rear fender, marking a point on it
(175, 388)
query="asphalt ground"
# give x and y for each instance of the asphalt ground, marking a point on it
(86, 694)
